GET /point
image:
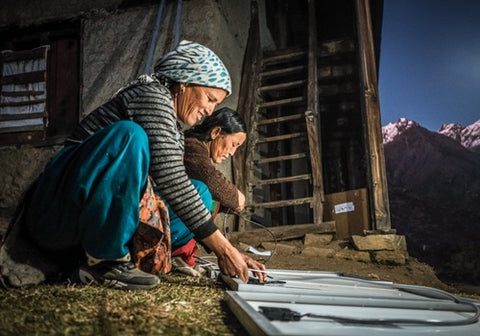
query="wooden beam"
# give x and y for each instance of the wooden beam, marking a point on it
(282, 86)
(282, 158)
(286, 179)
(295, 54)
(284, 232)
(311, 118)
(281, 137)
(281, 102)
(243, 159)
(282, 72)
(279, 119)
(378, 190)
(282, 203)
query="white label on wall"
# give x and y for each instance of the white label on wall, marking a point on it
(344, 207)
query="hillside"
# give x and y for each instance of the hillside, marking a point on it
(434, 190)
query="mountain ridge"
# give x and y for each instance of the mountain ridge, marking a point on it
(467, 136)
(434, 190)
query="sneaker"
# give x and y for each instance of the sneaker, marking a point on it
(117, 274)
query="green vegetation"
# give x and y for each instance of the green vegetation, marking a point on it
(180, 306)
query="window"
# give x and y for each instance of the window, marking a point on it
(39, 83)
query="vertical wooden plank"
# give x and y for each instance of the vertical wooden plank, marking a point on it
(243, 158)
(380, 211)
(311, 118)
(63, 87)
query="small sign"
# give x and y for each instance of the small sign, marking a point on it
(344, 207)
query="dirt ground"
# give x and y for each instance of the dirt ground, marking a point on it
(414, 273)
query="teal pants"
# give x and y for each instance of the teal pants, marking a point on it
(179, 231)
(88, 195)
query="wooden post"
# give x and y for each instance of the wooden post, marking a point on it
(243, 160)
(378, 190)
(311, 118)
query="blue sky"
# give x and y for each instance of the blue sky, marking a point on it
(430, 62)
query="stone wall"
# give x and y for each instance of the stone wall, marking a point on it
(114, 49)
(20, 166)
(116, 44)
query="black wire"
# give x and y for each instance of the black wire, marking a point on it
(225, 223)
(255, 223)
(471, 320)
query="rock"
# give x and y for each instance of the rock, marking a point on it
(312, 239)
(318, 252)
(379, 242)
(353, 255)
(282, 249)
(390, 257)
(21, 263)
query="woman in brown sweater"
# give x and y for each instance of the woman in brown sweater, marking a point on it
(212, 142)
(206, 144)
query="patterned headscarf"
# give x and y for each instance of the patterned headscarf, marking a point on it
(194, 63)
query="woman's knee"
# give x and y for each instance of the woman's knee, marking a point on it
(131, 139)
(130, 130)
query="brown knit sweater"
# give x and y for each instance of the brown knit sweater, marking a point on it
(199, 166)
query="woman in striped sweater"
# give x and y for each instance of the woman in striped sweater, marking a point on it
(88, 195)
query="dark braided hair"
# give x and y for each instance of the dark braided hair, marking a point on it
(227, 119)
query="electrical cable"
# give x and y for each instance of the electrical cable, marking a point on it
(285, 314)
(225, 216)
(254, 223)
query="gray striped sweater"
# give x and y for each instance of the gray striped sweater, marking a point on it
(150, 105)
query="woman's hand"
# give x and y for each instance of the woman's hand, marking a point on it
(230, 260)
(255, 265)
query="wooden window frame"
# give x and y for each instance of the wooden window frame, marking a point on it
(62, 79)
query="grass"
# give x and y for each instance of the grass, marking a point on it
(179, 306)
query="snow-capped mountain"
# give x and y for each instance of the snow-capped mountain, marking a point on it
(468, 137)
(434, 189)
(452, 130)
(392, 130)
